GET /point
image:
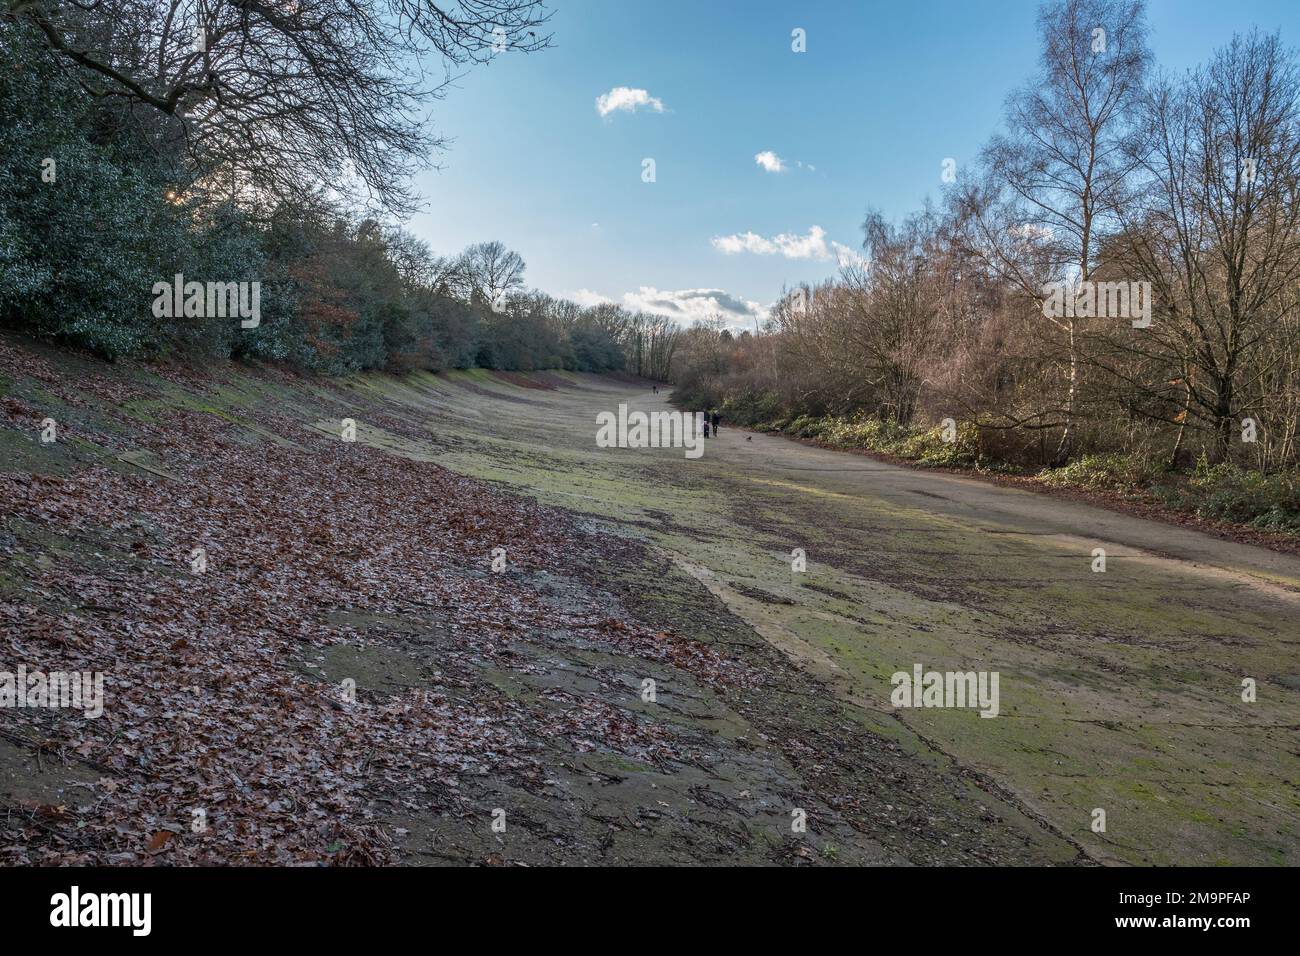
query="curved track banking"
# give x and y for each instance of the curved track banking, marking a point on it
(1120, 690)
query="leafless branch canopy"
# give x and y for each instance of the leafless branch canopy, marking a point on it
(268, 97)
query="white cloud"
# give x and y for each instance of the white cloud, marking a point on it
(685, 305)
(692, 305)
(846, 256)
(811, 246)
(627, 98)
(586, 298)
(773, 163)
(743, 242)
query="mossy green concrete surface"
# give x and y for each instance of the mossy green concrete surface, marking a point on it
(1119, 690)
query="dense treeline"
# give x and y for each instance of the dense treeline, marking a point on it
(1114, 288)
(103, 196)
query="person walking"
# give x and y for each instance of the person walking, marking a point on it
(715, 419)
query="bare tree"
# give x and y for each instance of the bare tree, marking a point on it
(268, 97)
(1062, 165)
(1218, 234)
(489, 271)
(869, 333)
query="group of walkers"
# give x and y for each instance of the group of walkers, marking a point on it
(711, 418)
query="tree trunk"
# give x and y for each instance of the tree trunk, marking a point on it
(1066, 444)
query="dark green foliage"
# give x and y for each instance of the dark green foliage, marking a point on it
(594, 350)
(80, 255)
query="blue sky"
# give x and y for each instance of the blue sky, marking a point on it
(884, 93)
